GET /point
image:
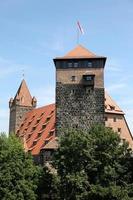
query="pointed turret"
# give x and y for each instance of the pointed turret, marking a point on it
(23, 96)
(22, 103)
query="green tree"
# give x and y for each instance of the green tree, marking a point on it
(18, 174)
(48, 188)
(93, 165)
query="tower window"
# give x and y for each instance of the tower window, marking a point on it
(73, 91)
(119, 130)
(76, 64)
(114, 119)
(106, 119)
(70, 64)
(73, 78)
(88, 80)
(89, 64)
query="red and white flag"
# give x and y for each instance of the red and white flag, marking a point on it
(80, 28)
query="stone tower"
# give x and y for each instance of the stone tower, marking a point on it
(22, 103)
(79, 89)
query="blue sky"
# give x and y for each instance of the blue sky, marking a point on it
(33, 32)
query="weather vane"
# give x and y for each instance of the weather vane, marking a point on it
(23, 74)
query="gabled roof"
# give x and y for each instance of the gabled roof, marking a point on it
(23, 95)
(111, 106)
(53, 144)
(38, 126)
(80, 52)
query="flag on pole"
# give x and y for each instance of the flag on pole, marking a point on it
(80, 28)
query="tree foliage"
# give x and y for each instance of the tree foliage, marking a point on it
(93, 165)
(18, 175)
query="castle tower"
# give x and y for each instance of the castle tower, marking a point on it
(79, 89)
(22, 103)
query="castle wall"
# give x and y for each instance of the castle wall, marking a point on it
(78, 106)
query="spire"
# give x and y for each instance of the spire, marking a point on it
(23, 96)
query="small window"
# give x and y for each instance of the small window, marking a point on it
(43, 126)
(41, 114)
(29, 136)
(89, 64)
(22, 125)
(46, 142)
(73, 91)
(114, 119)
(33, 116)
(52, 112)
(39, 134)
(106, 119)
(88, 78)
(47, 120)
(73, 78)
(119, 130)
(70, 65)
(29, 123)
(33, 128)
(88, 90)
(38, 120)
(112, 107)
(76, 64)
(34, 143)
(51, 133)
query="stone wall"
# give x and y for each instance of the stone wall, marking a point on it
(16, 116)
(78, 106)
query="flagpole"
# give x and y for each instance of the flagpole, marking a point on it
(77, 36)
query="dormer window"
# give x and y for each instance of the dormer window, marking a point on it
(112, 107)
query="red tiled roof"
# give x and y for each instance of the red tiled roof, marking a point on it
(38, 127)
(23, 95)
(79, 52)
(111, 106)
